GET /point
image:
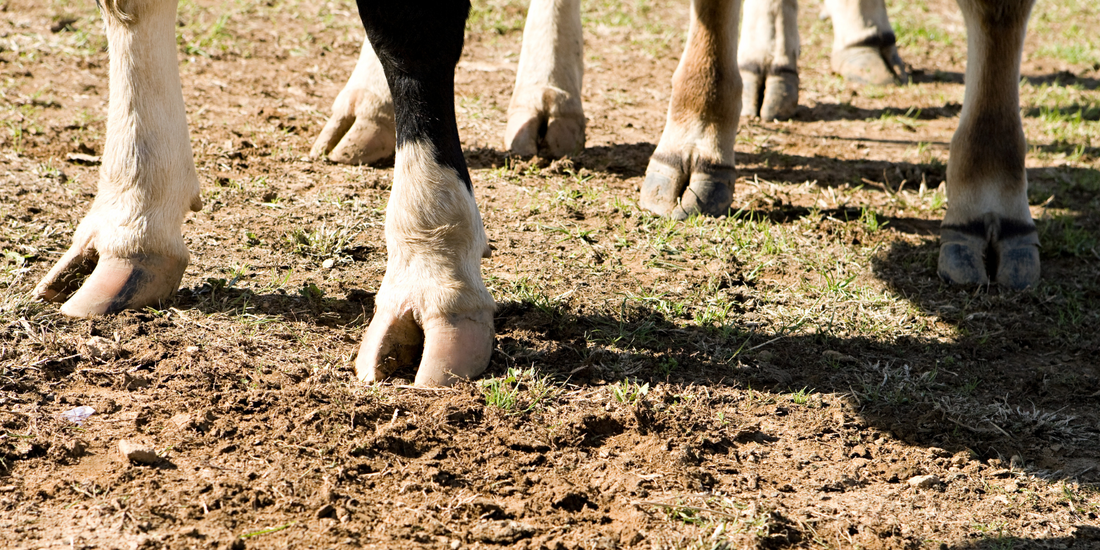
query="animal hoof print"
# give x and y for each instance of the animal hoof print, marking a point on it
(114, 284)
(667, 191)
(443, 349)
(866, 65)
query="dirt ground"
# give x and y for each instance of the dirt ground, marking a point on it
(784, 377)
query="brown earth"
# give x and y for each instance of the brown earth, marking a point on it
(780, 378)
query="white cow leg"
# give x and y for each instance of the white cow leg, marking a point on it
(768, 58)
(131, 240)
(987, 232)
(545, 111)
(692, 170)
(432, 311)
(361, 128)
(864, 43)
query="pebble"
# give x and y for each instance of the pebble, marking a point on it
(78, 415)
(327, 264)
(98, 347)
(924, 482)
(182, 420)
(138, 452)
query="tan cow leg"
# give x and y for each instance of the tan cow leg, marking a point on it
(361, 129)
(988, 232)
(692, 170)
(768, 58)
(131, 241)
(864, 49)
(546, 103)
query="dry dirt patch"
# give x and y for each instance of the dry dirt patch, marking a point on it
(787, 377)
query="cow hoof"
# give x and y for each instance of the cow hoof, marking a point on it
(556, 130)
(967, 258)
(361, 129)
(871, 65)
(356, 138)
(962, 258)
(674, 192)
(1017, 261)
(447, 348)
(771, 98)
(352, 140)
(112, 284)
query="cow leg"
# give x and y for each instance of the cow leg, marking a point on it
(768, 58)
(546, 104)
(432, 308)
(130, 243)
(361, 129)
(692, 170)
(864, 44)
(988, 232)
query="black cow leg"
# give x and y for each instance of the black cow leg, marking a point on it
(432, 309)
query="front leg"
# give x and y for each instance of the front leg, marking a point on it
(130, 244)
(432, 309)
(692, 170)
(987, 232)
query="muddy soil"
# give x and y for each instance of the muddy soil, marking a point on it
(791, 376)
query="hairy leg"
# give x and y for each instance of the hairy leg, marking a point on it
(432, 309)
(361, 128)
(864, 43)
(692, 170)
(545, 110)
(987, 231)
(130, 244)
(768, 58)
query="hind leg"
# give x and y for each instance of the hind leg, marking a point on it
(864, 43)
(130, 244)
(361, 128)
(545, 111)
(768, 58)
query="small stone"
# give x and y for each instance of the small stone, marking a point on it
(191, 350)
(501, 532)
(78, 415)
(98, 347)
(182, 420)
(81, 158)
(837, 356)
(327, 264)
(138, 452)
(924, 482)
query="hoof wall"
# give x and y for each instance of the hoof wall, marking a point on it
(114, 284)
(668, 191)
